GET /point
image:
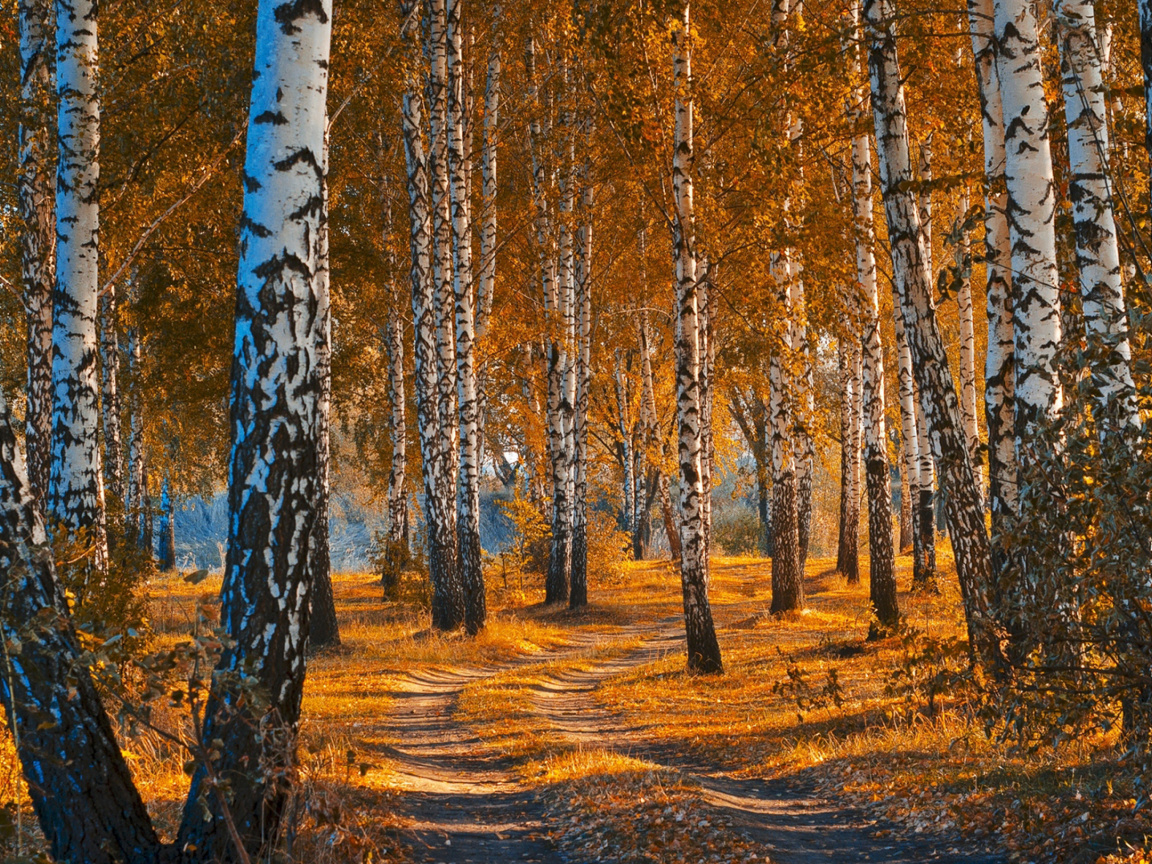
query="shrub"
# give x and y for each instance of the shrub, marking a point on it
(736, 531)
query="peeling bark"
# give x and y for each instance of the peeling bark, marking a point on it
(35, 20)
(274, 468)
(703, 649)
(79, 782)
(914, 296)
(76, 492)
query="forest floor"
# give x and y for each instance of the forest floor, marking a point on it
(561, 736)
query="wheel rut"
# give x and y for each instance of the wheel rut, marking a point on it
(794, 825)
(468, 806)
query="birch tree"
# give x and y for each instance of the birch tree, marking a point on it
(848, 538)
(76, 493)
(999, 372)
(583, 373)
(35, 19)
(1097, 247)
(397, 398)
(1031, 209)
(110, 394)
(276, 425)
(449, 602)
(78, 778)
(914, 297)
(967, 336)
(703, 649)
(787, 574)
(882, 556)
(468, 485)
(447, 606)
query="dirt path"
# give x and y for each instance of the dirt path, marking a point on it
(469, 807)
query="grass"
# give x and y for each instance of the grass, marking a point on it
(804, 696)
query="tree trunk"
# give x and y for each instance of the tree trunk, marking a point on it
(882, 557)
(910, 439)
(76, 493)
(968, 349)
(579, 594)
(323, 626)
(999, 375)
(79, 782)
(706, 308)
(1032, 205)
(805, 446)
(468, 485)
(397, 475)
(924, 569)
(914, 295)
(110, 401)
(136, 458)
(448, 600)
(274, 467)
(848, 539)
(627, 459)
(167, 557)
(787, 573)
(703, 649)
(35, 19)
(1097, 247)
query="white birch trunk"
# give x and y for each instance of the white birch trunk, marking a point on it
(583, 373)
(274, 469)
(703, 649)
(468, 485)
(805, 446)
(909, 438)
(848, 537)
(882, 555)
(450, 604)
(37, 188)
(999, 371)
(133, 517)
(968, 348)
(398, 431)
(1097, 247)
(110, 396)
(1031, 208)
(914, 295)
(438, 509)
(627, 457)
(76, 494)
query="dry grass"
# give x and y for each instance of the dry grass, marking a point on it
(929, 769)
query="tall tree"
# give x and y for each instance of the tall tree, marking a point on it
(35, 20)
(1031, 209)
(468, 485)
(579, 594)
(110, 393)
(447, 593)
(848, 538)
(274, 466)
(448, 601)
(76, 493)
(323, 627)
(914, 296)
(703, 649)
(882, 557)
(999, 371)
(78, 778)
(1097, 246)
